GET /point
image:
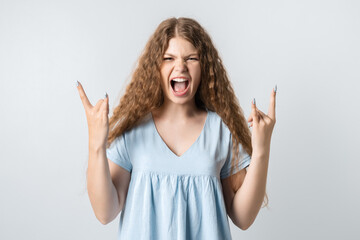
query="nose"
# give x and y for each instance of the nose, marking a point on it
(180, 65)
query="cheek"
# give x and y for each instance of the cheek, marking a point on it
(196, 76)
(165, 72)
(163, 77)
(196, 83)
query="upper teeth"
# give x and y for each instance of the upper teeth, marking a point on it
(179, 79)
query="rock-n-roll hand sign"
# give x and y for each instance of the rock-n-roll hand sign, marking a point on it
(97, 119)
(263, 126)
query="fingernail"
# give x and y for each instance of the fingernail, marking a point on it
(77, 83)
(254, 102)
(105, 95)
(275, 89)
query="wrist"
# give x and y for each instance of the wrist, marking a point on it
(96, 148)
(263, 154)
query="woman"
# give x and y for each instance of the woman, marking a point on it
(172, 159)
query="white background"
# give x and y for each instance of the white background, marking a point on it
(310, 49)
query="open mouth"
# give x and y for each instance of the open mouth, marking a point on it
(179, 85)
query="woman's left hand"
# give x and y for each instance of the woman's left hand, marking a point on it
(263, 126)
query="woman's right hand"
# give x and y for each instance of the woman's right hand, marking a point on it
(97, 119)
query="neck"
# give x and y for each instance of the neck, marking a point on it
(178, 112)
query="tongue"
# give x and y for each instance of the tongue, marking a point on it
(179, 86)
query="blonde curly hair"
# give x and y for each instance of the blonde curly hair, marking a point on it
(144, 93)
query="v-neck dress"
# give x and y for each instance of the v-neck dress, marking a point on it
(170, 196)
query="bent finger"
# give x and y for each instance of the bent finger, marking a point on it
(261, 114)
(98, 105)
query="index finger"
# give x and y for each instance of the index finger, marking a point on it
(83, 96)
(271, 112)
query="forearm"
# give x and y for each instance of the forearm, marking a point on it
(102, 192)
(248, 199)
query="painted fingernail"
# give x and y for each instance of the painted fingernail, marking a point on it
(254, 101)
(275, 89)
(105, 95)
(77, 83)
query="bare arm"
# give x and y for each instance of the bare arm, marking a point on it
(247, 201)
(107, 183)
(107, 197)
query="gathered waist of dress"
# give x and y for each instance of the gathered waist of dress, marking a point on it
(152, 173)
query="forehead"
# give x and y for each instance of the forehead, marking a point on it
(180, 45)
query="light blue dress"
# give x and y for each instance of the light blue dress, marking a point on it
(172, 197)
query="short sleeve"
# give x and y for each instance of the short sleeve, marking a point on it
(118, 154)
(244, 162)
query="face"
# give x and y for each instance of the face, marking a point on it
(180, 71)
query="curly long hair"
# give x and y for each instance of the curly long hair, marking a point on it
(144, 93)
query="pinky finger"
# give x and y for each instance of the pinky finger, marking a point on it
(107, 102)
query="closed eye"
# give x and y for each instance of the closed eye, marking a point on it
(169, 58)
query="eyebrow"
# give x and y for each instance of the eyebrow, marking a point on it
(185, 56)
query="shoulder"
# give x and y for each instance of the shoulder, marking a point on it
(141, 128)
(217, 125)
(216, 120)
